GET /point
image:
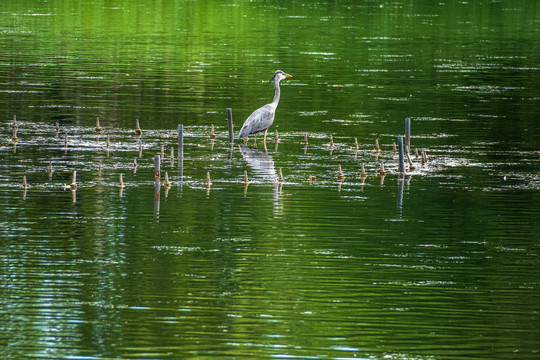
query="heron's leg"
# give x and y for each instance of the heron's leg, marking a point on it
(265, 131)
(255, 139)
(245, 140)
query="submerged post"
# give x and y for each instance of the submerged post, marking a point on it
(138, 130)
(180, 140)
(408, 133)
(401, 166)
(73, 185)
(281, 179)
(230, 123)
(180, 153)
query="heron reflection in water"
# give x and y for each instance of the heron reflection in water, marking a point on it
(263, 165)
(260, 161)
(262, 118)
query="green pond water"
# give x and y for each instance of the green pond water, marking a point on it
(442, 262)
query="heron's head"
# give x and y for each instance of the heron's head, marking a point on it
(280, 75)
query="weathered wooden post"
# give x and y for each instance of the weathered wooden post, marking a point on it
(157, 167)
(401, 165)
(138, 130)
(408, 134)
(167, 183)
(382, 171)
(341, 176)
(98, 127)
(181, 153)
(73, 185)
(230, 124)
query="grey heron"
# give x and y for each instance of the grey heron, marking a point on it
(262, 118)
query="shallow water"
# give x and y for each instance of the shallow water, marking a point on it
(439, 263)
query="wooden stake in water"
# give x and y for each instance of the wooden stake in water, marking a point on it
(172, 154)
(121, 181)
(411, 164)
(157, 167)
(212, 133)
(135, 165)
(167, 183)
(377, 147)
(276, 137)
(162, 152)
(57, 125)
(363, 173)
(382, 171)
(157, 195)
(246, 180)
(14, 125)
(73, 185)
(140, 148)
(230, 124)
(138, 130)
(50, 169)
(181, 153)
(98, 126)
(401, 164)
(66, 140)
(25, 184)
(356, 143)
(281, 179)
(208, 181)
(305, 139)
(108, 142)
(331, 141)
(395, 148)
(424, 157)
(341, 176)
(180, 141)
(408, 133)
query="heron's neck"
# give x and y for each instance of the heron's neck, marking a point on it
(276, 96)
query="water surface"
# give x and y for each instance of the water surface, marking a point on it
(439, 263)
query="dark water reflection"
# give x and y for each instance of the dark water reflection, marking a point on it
(441, 265)
(317, 273)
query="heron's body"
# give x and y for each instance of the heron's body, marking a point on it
(262, 118)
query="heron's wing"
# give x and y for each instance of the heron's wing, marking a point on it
(260, 120)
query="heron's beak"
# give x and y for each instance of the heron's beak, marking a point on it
(287, 75)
